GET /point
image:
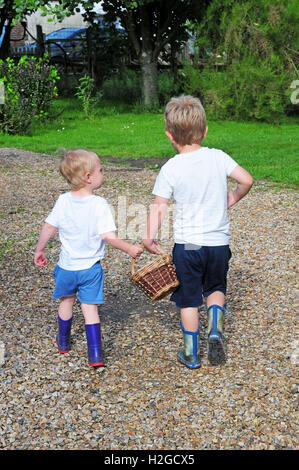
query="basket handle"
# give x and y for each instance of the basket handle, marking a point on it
(162, 252)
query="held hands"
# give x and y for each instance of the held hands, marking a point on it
(152, 246)
(135, 251)
(40, 259)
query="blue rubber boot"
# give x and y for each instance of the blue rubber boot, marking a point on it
(216, 353)
(190, 355)
(63, 339)
(93, 336)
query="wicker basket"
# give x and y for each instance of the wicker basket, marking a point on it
(157, 279)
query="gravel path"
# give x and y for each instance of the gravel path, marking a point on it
(144, 399)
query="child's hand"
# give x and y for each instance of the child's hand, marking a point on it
(152, 246)
(40, 259)
(231, 199)
(135, 251)
(47, 232)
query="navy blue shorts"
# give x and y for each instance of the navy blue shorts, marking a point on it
(200, 271)
(88, 283)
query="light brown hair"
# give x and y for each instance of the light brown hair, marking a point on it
(75, 164)
(185, 119)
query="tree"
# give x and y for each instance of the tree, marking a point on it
(151, 25)
(255, 27)
(7, 13)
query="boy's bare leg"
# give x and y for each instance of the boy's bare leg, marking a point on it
(189, 318)
(216, 298)
(190, 315)
(65, 309)
(90, 313)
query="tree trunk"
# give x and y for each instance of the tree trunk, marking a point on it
(149, 73)
(5, 46)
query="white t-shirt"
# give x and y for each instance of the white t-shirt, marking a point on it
(198, 183)
(81, 221)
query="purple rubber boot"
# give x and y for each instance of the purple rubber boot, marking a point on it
(63, 339)
(93, 336)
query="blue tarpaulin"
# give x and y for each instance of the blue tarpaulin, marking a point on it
(2, 35)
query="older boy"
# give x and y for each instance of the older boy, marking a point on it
(85, 223)
(197, 179)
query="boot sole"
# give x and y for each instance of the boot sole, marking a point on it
(190, 365)
(96, 364)
(216, 354)
(60, 350)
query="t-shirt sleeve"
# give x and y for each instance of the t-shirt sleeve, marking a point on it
(54, 216)
(163, 186)
(229, 163)
(105, 219)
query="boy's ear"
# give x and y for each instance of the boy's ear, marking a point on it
(169, 135)
(86, 177)
(205, 132)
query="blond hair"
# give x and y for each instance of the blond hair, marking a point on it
(75, 164)
(185, 119)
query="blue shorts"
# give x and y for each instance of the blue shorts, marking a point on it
(88, 283)
(200, 271)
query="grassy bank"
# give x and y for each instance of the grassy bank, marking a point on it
(268, 151)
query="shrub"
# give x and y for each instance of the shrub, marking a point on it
(85, 93)
(246, 90)
(124, 86)
(257, 43)
(168, 87)
(30, 87)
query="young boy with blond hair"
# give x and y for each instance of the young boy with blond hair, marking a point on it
(85, 224)
(197, 179)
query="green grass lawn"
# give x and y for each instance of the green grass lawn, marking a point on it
(268, 152)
